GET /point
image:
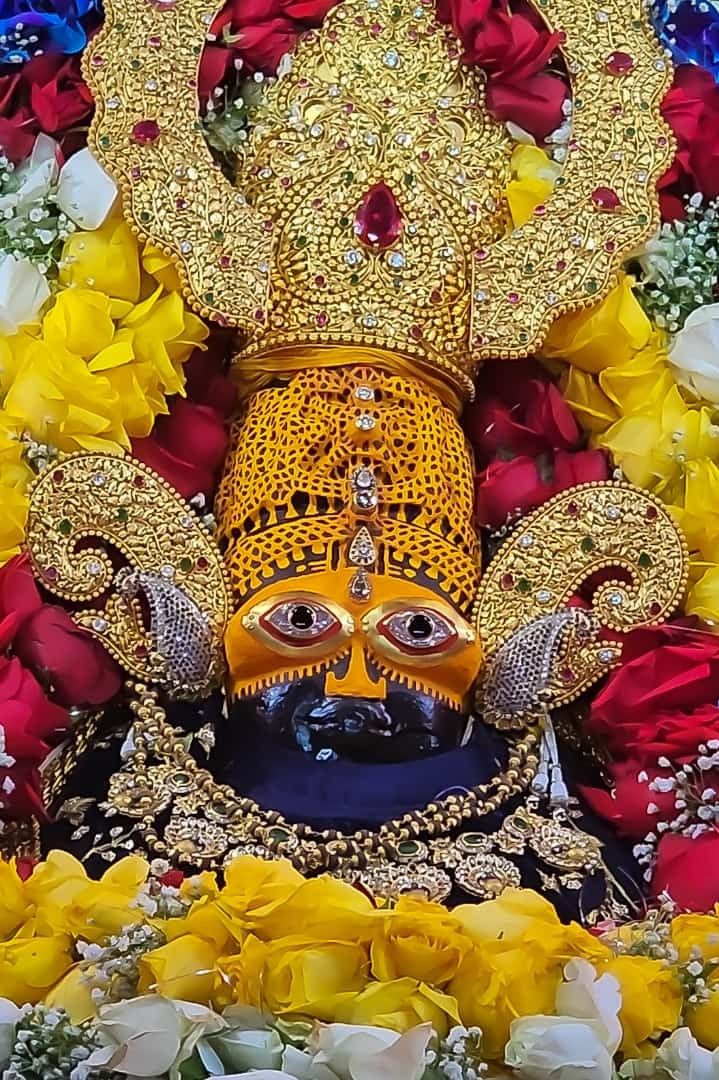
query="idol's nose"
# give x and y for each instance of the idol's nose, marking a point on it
(356, 681)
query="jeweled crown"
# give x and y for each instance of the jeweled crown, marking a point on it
(370, 207)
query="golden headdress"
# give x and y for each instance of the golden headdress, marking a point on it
(370, 208)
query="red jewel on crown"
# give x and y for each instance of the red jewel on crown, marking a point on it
(378, 221)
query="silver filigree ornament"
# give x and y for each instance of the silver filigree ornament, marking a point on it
(180, 633)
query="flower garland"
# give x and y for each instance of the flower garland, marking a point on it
(147, 974)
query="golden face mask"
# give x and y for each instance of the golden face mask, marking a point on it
(405, 634)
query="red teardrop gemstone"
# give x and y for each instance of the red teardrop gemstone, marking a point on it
(378, 221)
(145, 132)
(605, 198)
(619, 63)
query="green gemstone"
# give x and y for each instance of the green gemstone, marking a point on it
(396, 12)
(354, 278)
(642, 219)
(578, 103)
(409, 179)
(348, 176)
(119, 27)
(523, 585)
(219, 234)
(587, 544)
(630, 132)
(144, 215)
(104, 140)
(280, 835)
(645, 560)
(523, 336)
(592, 286)
(408, 847)
(135, 64)
(123, 514)
(344, 222)
(185, 565)
(65, 527)
(473, 839)
(529, 268)
(301, 241)
(210, 297)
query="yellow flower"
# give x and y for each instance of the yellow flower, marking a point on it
(295, 974)
(703, 1021)
(517, 964)
(697, 931)
(73, 994)
(651, 1000)
(13, 902)
(703, 598)
(607, 334)
(183, 969)
(15, 477)
(323, 907)
(66, 900)
(400, 1005)
(80, 322)
(593, 409)
(107, 259)
(254, 888)
(418, 940)
(162, 268)
(641, 383)
(533, 177)
(30, 964)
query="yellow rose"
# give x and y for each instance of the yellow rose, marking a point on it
(651, 1000)
(107, 259)
(641, 382)
(703, 1021)
(510, 918)
(294, 975)
(591, 406)
(80, 322)
(204, 919)
(400, 1005)
(321, 907)
(703, 599)
(13, 900)
(73, 994)
(418, 940)
(607, 334)
(30, 964)
(68, 901)
(184, 969)
(696, 931)
(254, 888)
(162, 268)
(533, 177)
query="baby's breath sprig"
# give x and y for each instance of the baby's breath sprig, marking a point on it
(679, 266)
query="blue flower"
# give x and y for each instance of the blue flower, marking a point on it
(29, 27)
(690, 30)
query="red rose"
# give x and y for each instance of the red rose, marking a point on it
(45, 639)
(661, 701)
(584, 467)
(514, 48)
(626, 808)
(691, 108)
(58, 96)
(509, 489)
(28, 719)
(688, 870)
(526, 416)
(172, 878)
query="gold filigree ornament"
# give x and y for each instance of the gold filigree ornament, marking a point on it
(609, 544)
(377, 105)
(135, 566)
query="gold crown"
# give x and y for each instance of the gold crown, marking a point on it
(370, 209)
(349, 466)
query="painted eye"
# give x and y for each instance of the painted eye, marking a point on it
(300, 622)
(418, 630)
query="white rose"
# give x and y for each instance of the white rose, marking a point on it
(558, 1048)
(23, 291)
(85, 192)
(354, 1052)
(695, 353)
(9, 1016)
(682, 1058)
(242, 1050)
(587, 997)
(150, 1036)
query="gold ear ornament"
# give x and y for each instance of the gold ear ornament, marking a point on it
(135, 566)
(542, 651)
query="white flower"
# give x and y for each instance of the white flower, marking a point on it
(23, 291)
(33, 179)
(85, 192)
(682, 1058)
(695, 353)
(241, 1050)
(150, 1036)
(587, 997)
(9, 1016)
(578, 1043)
(557, 1048)
(370, 1053)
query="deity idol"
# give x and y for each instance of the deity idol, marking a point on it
(334, 677)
